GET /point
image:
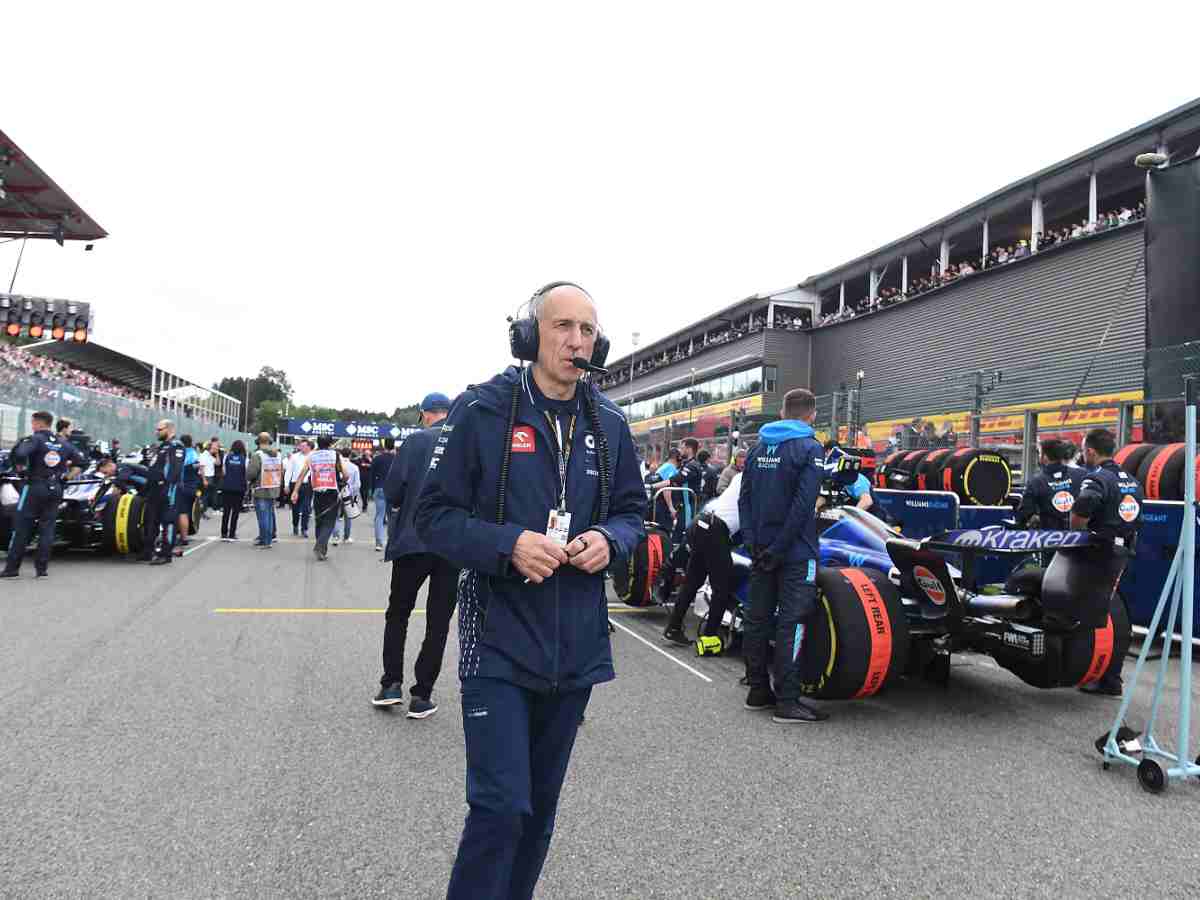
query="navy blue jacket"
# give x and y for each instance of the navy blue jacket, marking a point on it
(166, 464)
(778, 498)
(403, 488)
(1111, 499)
(1050, 495)
(47, 456)
(549, 636)
(380, 466)
(233, 475)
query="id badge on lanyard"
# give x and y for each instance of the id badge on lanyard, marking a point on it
(558, 523)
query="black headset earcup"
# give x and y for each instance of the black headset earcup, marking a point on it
(600, 351)
(523, 339)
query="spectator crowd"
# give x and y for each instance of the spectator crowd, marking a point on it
(997, 256)
(16, 361)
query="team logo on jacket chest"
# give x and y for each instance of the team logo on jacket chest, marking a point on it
(524, 439)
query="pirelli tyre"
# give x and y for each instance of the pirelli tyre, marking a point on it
(929, 469)
(1161, 472)
(122, 521)
(859, 643)
(1076, 658)
(902, 473)
(880, 478)
(634, 579)
(979, 477)
(1130, 457)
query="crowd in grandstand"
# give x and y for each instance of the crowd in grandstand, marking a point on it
(791, 320)
(997, 256)
(17, 361)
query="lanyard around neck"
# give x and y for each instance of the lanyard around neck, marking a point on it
(562, 450)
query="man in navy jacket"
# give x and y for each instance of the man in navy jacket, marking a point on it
(777, 506)
(532, 610)
(412, 565)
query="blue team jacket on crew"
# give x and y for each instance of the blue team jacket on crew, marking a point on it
(402, 489)
(779, 492)
(549, 636)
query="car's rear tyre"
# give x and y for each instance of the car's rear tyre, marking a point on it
(859, 643)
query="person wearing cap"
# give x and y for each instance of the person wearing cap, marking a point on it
(412, 565)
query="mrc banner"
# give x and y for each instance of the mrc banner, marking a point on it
(363, 431)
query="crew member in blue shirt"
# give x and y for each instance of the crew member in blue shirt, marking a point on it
(45, 458)
(163, 477)
(534, 486)
(777, 509)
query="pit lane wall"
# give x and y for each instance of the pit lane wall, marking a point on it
(1072, 319)
(101, 416)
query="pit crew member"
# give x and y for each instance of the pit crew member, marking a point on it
(532, 618)
(45, 458)
(1109, 506)
(163, 478)
(776, 506)
(1050, 494)
(712, 538)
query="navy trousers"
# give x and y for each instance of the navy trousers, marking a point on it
(36, 513)
(792, 588)
(518, 745)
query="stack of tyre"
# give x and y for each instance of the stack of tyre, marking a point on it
(1159, 468)
(978, 477)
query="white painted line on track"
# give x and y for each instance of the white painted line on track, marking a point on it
(207, 542)
(678, 662)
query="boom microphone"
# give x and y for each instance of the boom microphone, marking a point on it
(580, 363)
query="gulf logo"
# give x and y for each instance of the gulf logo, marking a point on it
(523, 439)
(929, 583)
(1129, 508)
(1063, 501)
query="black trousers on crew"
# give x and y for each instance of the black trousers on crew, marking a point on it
(36, 511)
(301, 508)
(408, 574)
(711, 558)
(159, 515)
(325, 511)
(231, 508)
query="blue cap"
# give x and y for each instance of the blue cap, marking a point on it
(435, 401)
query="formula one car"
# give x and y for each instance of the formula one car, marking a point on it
(97, 513)
(893, 606)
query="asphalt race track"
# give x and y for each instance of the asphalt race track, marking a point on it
(154, 746)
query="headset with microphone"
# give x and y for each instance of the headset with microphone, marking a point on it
(523, 334)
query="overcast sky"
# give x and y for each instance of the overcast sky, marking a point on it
(360, 193)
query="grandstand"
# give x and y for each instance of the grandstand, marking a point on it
(1042, 281)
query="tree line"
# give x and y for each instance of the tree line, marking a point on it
(267, 399)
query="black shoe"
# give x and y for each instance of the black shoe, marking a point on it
(791, 712)
(675, 635)
(8, 574)
(1103, 689)
(390, 695)
(760, 698)
(43, 573)
(421, 708)
(161, 561)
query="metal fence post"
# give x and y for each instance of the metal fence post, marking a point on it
(1029, 453)
(1124, 423)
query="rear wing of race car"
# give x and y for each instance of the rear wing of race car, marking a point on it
(995, 541)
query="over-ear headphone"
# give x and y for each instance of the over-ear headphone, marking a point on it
(523, 332)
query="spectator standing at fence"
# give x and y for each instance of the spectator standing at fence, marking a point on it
(233, 489)
(380, 466)
(265, 474)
